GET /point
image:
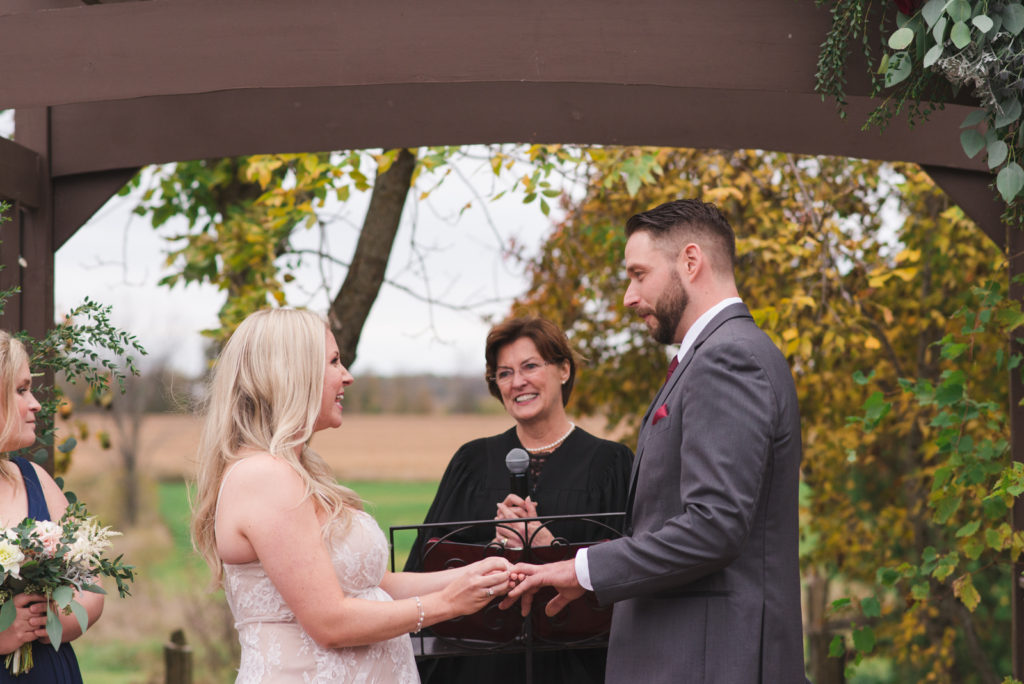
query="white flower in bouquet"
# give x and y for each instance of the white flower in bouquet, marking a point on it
(56, 560)
(90, 540)
(11, 558)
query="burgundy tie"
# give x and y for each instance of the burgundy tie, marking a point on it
(671, 367)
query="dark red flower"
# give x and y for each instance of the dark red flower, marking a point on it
(907, 7)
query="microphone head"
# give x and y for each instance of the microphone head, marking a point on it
(517, 461)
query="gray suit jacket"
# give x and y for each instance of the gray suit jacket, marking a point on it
(706, 581)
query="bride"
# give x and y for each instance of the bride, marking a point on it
(304, 568)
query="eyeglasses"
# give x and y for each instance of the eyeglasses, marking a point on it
(503, 376)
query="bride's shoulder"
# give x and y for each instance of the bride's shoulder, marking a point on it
(261, 472)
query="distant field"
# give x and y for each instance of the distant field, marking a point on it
(366, 447)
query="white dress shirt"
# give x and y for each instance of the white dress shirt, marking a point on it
(582, 567)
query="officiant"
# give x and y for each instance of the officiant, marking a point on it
(530, 368)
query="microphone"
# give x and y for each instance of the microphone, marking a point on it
(518, 463)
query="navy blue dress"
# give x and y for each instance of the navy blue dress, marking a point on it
(51, 667)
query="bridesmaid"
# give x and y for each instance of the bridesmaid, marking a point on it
(27, 491)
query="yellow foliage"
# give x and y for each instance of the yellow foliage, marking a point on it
(720, 195)
(815, 267)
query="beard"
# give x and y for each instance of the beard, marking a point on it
(669, 309)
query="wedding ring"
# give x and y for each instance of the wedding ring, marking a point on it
(504, 542)
(490, 591)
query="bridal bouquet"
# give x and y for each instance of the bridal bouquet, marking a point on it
(55, 559)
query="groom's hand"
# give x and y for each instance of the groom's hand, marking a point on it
(530, 578)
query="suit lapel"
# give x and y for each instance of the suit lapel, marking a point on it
(661, 398)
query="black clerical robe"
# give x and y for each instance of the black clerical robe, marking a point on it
(584, 474)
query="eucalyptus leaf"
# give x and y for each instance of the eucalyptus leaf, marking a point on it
(1010, 112)
(899, 69)
(7, 614)
(997, 152)
(973, 119)
(960, 35)
(939, 30)
(983, 23)
(1010, 181)
(959, 10)
(883, 64)
(62, 595)
(932, 11)
(1013, 17)
(933, 55)
(78, 610)
(972, 141)
(54, 629)
(901, 39)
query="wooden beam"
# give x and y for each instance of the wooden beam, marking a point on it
(77, 198)
(24, 6)
(974, 192)
(131, 133)
(161, 47)
(20, 170)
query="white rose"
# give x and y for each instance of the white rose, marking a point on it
(11, 558)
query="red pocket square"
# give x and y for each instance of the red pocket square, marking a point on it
(662, 412)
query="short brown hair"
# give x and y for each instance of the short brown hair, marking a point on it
(672, 223)
(549, 339)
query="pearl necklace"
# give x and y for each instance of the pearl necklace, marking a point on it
(549, 447)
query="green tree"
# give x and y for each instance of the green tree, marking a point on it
(242, 215)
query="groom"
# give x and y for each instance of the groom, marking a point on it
(706, 579)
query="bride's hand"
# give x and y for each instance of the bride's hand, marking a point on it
(478, 585)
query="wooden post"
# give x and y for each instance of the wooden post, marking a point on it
(29, 261)
(1015, 249)
(178, 659)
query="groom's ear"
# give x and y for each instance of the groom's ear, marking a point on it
(690, 261)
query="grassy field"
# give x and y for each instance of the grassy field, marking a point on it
(173, 577)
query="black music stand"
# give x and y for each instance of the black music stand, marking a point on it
(582, 624)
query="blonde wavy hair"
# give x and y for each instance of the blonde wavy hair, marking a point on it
(12, 356)
(265, 394)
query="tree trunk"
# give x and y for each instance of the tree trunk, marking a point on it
(823, 669)
(366, 274)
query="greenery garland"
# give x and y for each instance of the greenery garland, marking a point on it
(934, 45)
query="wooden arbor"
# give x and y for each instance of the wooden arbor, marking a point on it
(101, 89)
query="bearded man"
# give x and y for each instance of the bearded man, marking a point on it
(705, 580)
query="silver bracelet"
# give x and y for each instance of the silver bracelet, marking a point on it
(419, 622)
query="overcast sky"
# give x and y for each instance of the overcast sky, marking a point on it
(118, 258)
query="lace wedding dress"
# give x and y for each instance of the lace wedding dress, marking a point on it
(275, 649)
